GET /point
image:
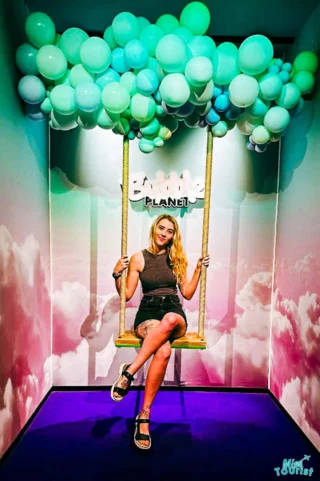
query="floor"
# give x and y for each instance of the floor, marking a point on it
(84, 435)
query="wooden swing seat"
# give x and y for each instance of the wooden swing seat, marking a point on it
(192, 340)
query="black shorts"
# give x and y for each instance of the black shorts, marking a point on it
(155, 307)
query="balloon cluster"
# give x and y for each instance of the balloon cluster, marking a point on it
(142, 79)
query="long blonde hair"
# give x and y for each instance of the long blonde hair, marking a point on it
(174, 248)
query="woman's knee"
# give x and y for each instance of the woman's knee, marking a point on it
(164, 352)
(170, 321)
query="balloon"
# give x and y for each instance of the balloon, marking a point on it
(174, 90)
(95, 55)
(284, 76)
(146, 146)
(143, 22)
(216, 91)
(51, 62)
(167, 23)
(172, 53)
(150, 127)
(192, 121)
(220, 129)
(183, 33)
(142, 107)
(131, 135)
(115, 98)
(196, 17)
(31, 89)
(109, 38)
(63, 122)
(233, 113)
(273, 68)
(255, 54)
(277, 119)
(125, 27)
(153, 64)
(169, 110)
(304, 80)
(261, 135)
(212, 117)
(225, 63)
(118, 61)
(278, 62)
(160, 111)
(71, 42)
(107, 120)
(250, 146)
(259, 108)
(57, 40)
(202, 46)
(260, 148)
(62, 99)
(136, 54)
(34, 112)
(158, 142)
(203, 95)
(88, 120)
(122, 127)
(40, 29)
(270, 86)
(222, 103)
(129, 81)
(246, 124)
(204, 108)
(79, 74)
(64, 80)
(199, 71)
(106, 77)
(186, 110)
(165, 133)
(26, 59)
(287, 67)
(46, 106)
(289, 96)
(150, 37)
(147, 82)
(87, 97)
(306, 61)
(243, 90)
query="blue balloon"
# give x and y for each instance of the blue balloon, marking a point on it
(118, 61)
(212, 117)
(217, 91)
(136, 54)
(106, 77)
(222, 103)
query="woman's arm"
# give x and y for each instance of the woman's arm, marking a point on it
(132, 277)
(187, 288)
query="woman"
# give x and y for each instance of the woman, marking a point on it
(160, 318)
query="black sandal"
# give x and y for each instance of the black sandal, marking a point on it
(138, 436)
(120, 390)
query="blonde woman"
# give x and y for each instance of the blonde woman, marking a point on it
(160, 318)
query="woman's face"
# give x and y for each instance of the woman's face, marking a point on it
(163, 233)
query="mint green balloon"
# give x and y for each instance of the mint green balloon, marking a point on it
(167, 23)
(62, 99)
(146, 146)
(183, 33)
(125, 27)
(64, 80)
(261, 135)
(107, 120)
(225, 63)
(71, 42)
(306, 61)
(255, 54)
(151, 36)
(199, 71)
(196, 17)
(220, 129)
(202, 46)
(172, 53)
(304, 80)
(243, 90)
(129, 81)
(40, 29)
(174, 89)
(115, 98)
(31, 89)
(79, 74)
(270, 86)
(95, 55)
(87, 97)
(150, 128)
(142, 107)
(143, 23)
(26, 56)
(289, 97)
(51, 62)
(277, 119)
(158, 142)
(202, 95)
(46, 106)
(259, 108)
(109, 38)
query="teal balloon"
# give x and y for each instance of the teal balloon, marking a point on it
(79, 74)
(285, 76)
(136, 54)
(304, 80)
(270, 86)
(167, 23)
(88, 120)
(160, 111)
(255, 54)
(40, 29)
(259, 108)
(95, 55)
(220, 129)
(118, 61)
(222, 103)
(261, 135)
(143, 22)
(273, 68)
(71, 42)
(172, 54)
(201, 96)
(183, 33)
(131, 135)
(109, 38)
(107, 120)
(147, 82)
(46, 106)
(87, 97)
(62, 99)
(51, 62)
(150, 37)
(199, 71)
(196, 17)
(277, 119)
(243, 90)
(142, 107)
(129, 81)
(158, 142)
(104, 78)
(202, 46)
(146, 146)
(31, 89)
(150, 128)
(26, 56)
(225, 63)
(115, 98)
(289, 96)
(287, 67)
(125, 27)
(64, 80)
(174, 90)
(212, 117)
(153, 64)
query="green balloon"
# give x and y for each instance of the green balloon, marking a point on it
(71, 42)
(109, 38)
(64, 80)
(306, 61)
(255, 54)
(199, 71)
(151, 36)
(174, 90)
(51, 62)
(259, 108)
(164, 133)
(146, 146)
(304, 80)
(277, 119)
(158, 142)
(220, 129)
(196, 17)
(172, 54)
(289, 97)
(261, 135)
(129, 81)
(57, 40)
(167, 23)
(40, 29)
(202, 46)
(122, 127)
(143, 22)
(183, 33)
(46, 106)
(95, 55)
(125, 27)
(79, 74)
(115, 98)
(225, 63)
(243, 90)
(107, 120)
(26, 56)
(202, 95)
(142, 107)
(62, 99)
(270, 86)
(149, 128)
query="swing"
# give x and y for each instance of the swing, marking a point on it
(192, 340)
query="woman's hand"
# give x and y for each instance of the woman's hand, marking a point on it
(203, 261)
(121, 265)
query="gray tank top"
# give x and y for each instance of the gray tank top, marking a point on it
(157, 277)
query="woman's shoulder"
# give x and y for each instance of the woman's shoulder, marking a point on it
(137, 260)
